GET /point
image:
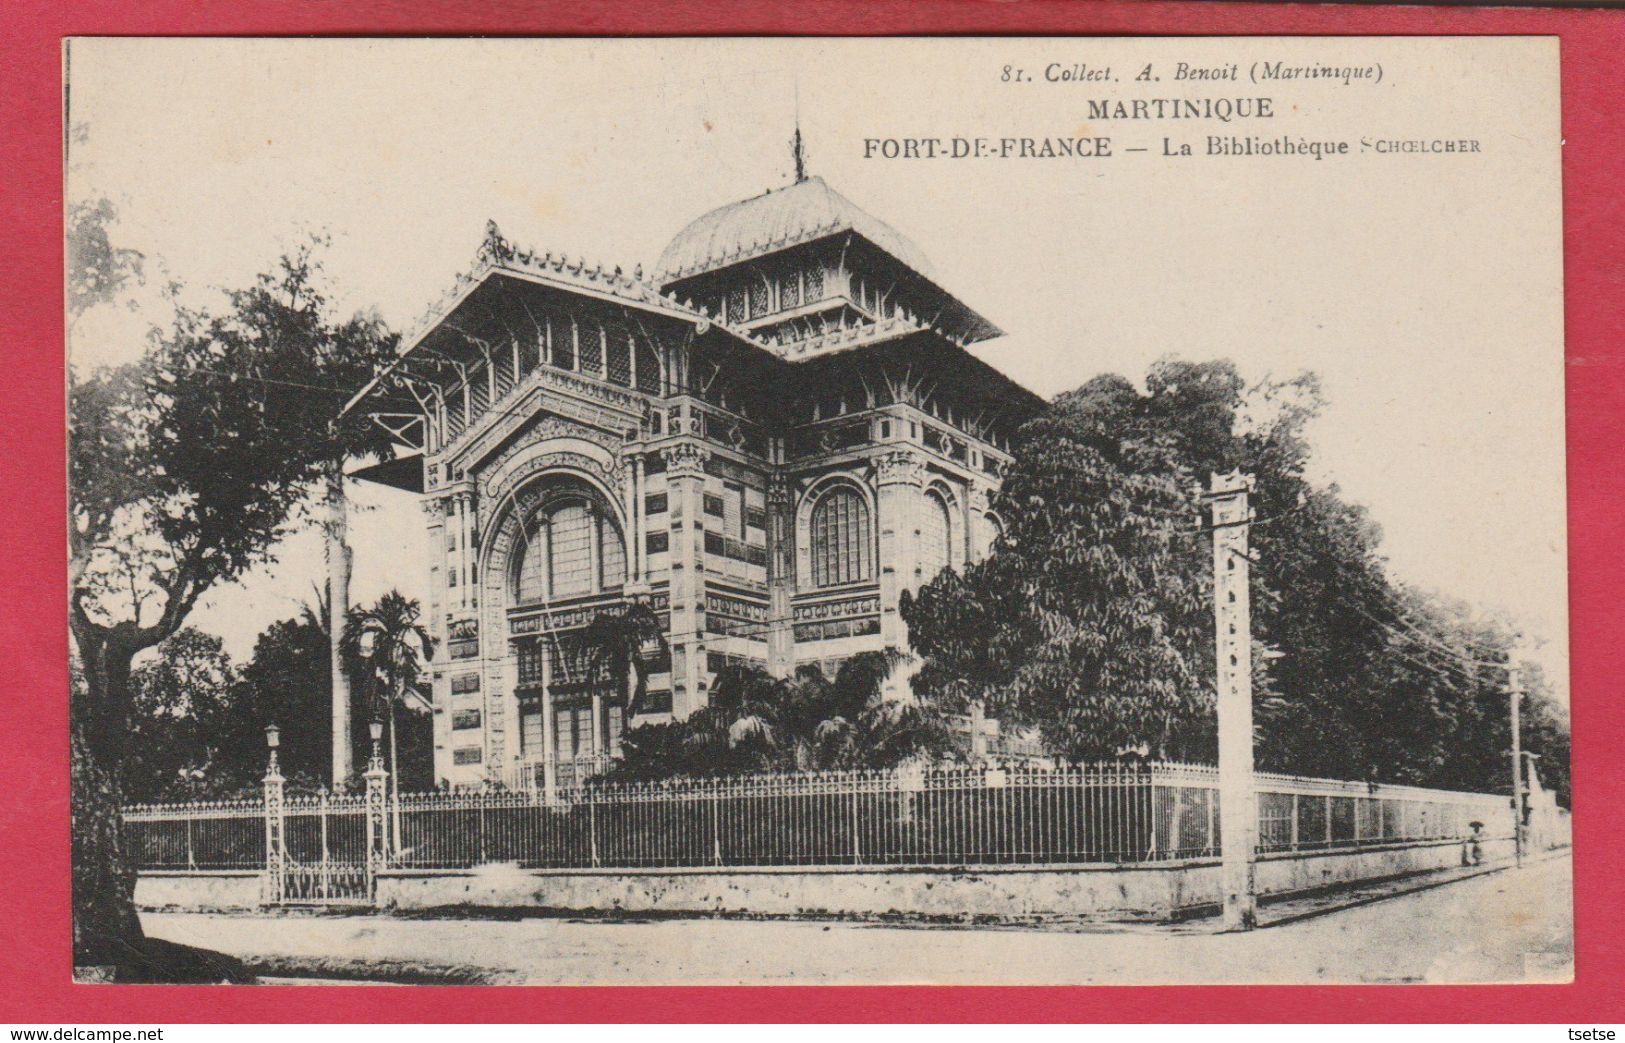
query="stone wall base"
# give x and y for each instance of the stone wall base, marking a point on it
(998, 893)
(216, 891)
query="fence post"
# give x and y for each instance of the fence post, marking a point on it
(716, 832)
(377, 819)
(327, 869)
(275, 868)
(1294, 822)
(857, 848)
(592, 831)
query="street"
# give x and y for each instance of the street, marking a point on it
(1515, 925)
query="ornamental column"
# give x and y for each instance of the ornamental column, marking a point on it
(685, 484)
(899, 477)
(781, 576)
(435, 511)
(634, 570)
(550, 743)
(462, 550)
(640, 571)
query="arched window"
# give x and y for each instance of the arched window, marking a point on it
(936, 537)
(841, 541)
(611, 555)
(569, 559)
(572, 549)
(992, 529)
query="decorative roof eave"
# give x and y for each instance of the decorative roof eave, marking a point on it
(841, 341)
(853, 337)
(977, 327)
(729, 258)
(497, 255)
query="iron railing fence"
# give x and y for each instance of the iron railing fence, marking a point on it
(325, 829)
(196, 835)
(1307, 814)
(1026, 815)
(569, 773)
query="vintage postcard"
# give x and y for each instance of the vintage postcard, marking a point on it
(818, 511)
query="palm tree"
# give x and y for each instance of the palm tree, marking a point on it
(745, 710)
(755, 722)
(613, 645)
(887, 727)
(393, 642)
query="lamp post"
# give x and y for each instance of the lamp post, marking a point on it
(377, 819)
(275, 868)
(376, 728)
(273, 739)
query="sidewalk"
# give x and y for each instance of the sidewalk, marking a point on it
(1451, 926)
(1302, 907)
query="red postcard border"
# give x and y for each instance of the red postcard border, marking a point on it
(35, 986)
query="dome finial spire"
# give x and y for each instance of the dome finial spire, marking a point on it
(798, 149)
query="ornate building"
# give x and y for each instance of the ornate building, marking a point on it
(769, 442)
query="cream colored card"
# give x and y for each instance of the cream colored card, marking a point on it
(745, 330)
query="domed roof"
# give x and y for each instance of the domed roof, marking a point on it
(779, 218)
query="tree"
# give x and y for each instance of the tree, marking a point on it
(757, 723)
(1546, 734)
(288, 681)
(390, 638)
(1094, 598)
(183, 700)
(1355, 676)
(616, 645)
(184, 470)
(97, 270)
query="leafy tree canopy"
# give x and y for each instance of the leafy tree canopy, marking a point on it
(1092, 619)
(185, 468)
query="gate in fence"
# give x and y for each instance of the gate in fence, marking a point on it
(316, 850)
(324, 850)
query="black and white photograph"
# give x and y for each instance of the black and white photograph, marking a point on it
(1019, 511)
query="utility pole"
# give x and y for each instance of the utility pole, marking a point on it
(1515, 697)
(338, 608)
(1228, 497)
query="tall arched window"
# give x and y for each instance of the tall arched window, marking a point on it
(841, 542)
(611, 555)
(573, 548)
(936, 536)
(992, 528)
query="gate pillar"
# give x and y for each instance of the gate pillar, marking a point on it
(275, 848)
(377, 819)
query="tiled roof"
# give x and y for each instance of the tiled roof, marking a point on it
(783, 217)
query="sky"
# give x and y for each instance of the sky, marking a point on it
(1423, 291)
